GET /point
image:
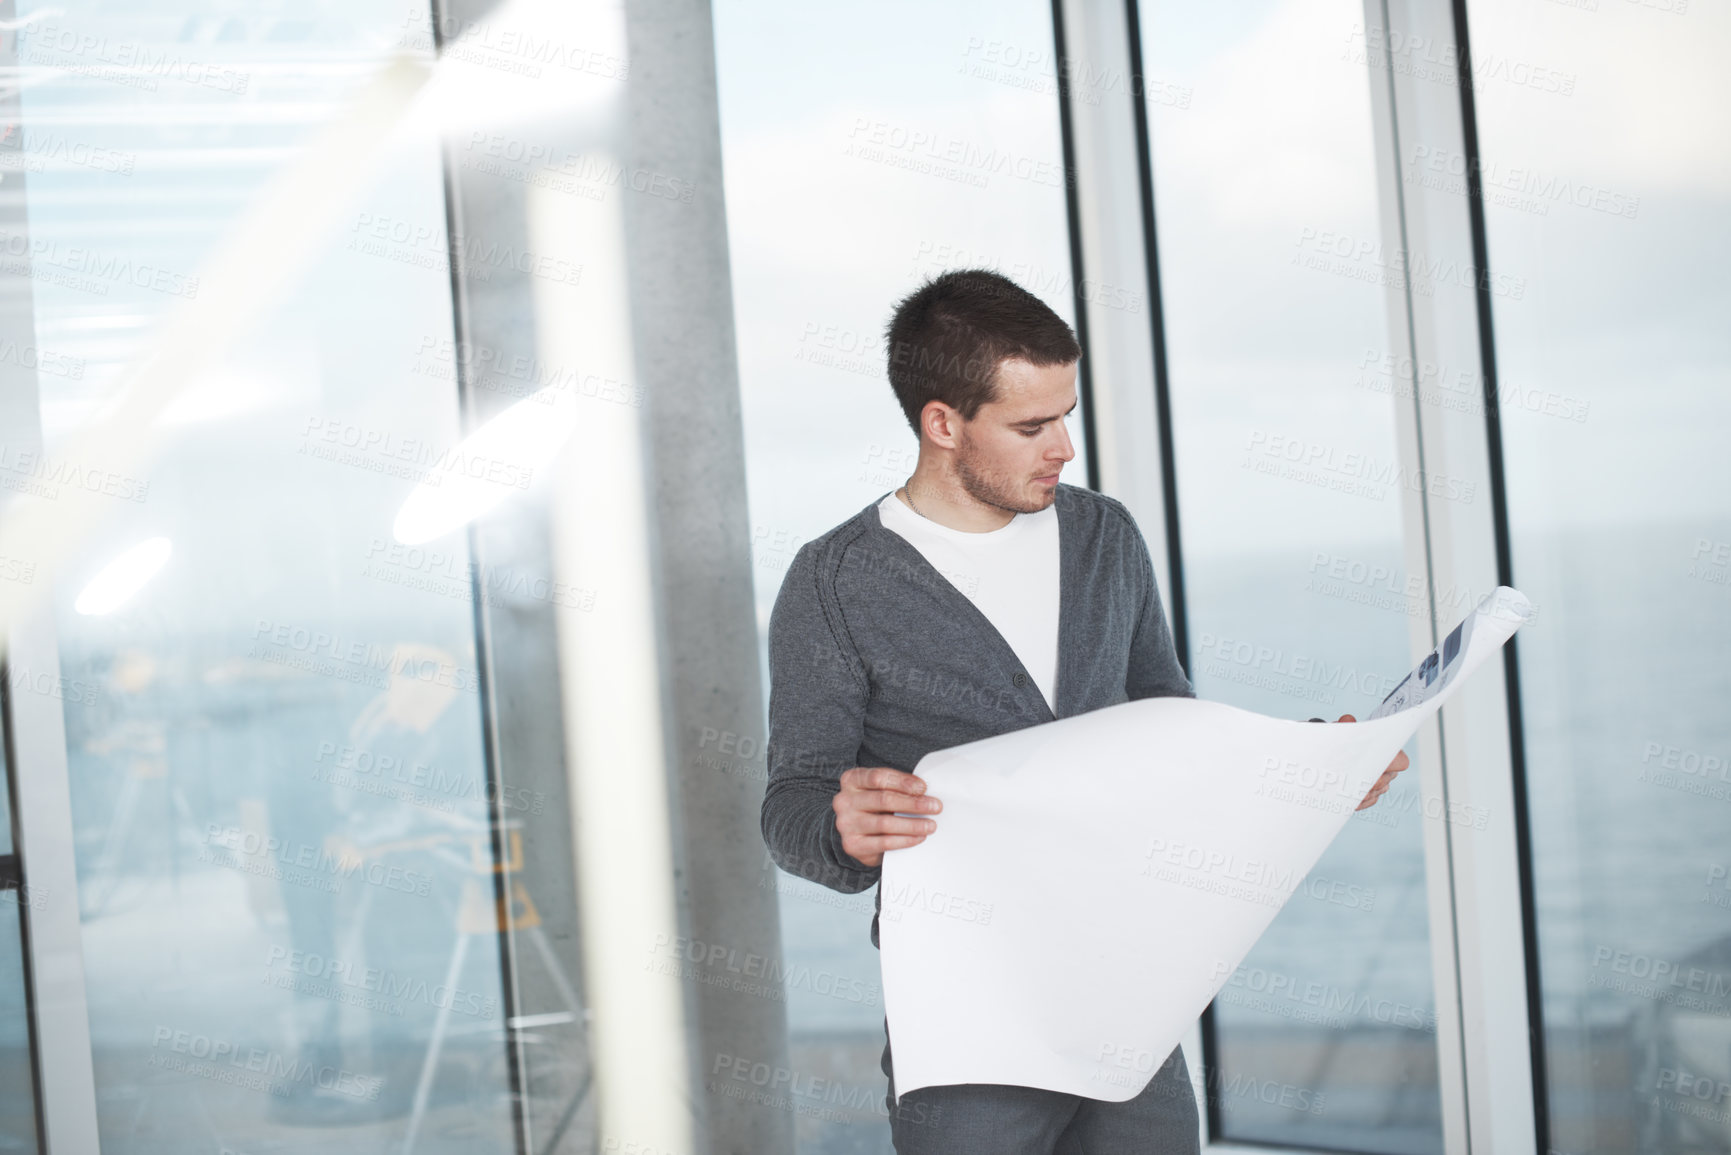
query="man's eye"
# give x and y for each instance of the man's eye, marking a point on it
(1028, 432)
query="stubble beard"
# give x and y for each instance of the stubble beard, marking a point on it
(977, 485)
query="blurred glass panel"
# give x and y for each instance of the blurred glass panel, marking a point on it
(17, 1075)
(906, 154)
(1290, 492)
(278, 786)
(5, 816)
(1608, 207)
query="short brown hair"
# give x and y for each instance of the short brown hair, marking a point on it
(947, 338)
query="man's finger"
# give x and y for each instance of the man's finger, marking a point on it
(880, 778)
(889, 801)
(885, 778)
(878, 843)
(877, 824)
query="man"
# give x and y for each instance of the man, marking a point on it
(981, 597)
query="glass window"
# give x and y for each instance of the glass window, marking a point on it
(277, 773)
(1608, 209)
(17, 1077)
(17, 1074)
(924, 138)
(1290, 491)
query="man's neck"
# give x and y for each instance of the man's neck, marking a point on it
(942, 499)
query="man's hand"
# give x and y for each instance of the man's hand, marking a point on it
(865, 812)
(1382, 784)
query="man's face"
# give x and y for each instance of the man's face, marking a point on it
(1009, 456)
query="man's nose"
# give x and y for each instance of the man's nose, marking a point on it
(1066, 451)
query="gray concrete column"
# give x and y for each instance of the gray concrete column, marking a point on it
(662, 168)
(682, 317)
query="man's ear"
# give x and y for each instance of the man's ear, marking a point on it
(940, 424)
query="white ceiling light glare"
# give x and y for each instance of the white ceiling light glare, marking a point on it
(500, 459)
(123, 577)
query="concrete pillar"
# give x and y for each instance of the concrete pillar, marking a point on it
(682, 313)
(667, 189)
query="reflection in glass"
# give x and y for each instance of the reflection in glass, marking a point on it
(279, 796)
(1290, 495)
(17, 1079)
(17, 1075)
(906, 155)
(1609, 211)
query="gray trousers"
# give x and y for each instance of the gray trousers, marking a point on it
(992, 1119)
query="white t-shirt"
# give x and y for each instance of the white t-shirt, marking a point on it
(1010, 574)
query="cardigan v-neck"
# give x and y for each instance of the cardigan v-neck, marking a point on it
(876, 659)
(978, 613)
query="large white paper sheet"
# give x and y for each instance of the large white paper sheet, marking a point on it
(1093, 882)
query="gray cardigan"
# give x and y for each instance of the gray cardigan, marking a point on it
(876, 659)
